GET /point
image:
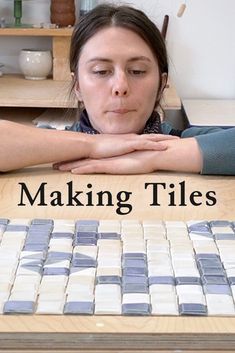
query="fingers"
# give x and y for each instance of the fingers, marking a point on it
(156, 142)
(95, 167)
(159, 137)
(67, 166)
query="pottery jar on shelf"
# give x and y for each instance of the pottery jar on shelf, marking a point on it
(63, 12)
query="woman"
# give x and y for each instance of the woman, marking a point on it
(119, 64)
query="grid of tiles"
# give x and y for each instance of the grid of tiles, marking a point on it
(117, 267)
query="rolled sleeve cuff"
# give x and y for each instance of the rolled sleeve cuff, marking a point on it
(218, 152)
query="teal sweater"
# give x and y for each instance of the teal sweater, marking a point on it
(217, 146)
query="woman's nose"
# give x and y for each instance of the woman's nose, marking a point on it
(120, 85)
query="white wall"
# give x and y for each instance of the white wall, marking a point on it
(201, 44)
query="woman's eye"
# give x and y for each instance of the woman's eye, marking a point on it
(101, 72)
(138, 72)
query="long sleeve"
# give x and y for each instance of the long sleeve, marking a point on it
(218, 151)
(217, 146)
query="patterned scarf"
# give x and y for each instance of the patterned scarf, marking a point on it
(153, 125)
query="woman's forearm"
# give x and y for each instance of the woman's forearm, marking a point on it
(182, 155)
(22, 146)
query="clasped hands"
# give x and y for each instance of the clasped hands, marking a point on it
(119, 154)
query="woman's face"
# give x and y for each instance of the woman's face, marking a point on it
(118, 81)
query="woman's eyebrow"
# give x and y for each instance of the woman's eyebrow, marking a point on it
(140, 58)
(134, 58)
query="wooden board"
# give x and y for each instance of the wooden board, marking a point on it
(110, 333)
(16, 91)
(116, 333)
(140, 197)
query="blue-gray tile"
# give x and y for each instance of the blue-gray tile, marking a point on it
(55, 271)
(217, 289)
(161, 280)
(17, 228)
(214, 280)
(187, 280)
(4, 221)
(137, 256)
(58, 235)
(135, 271)
(42, 221)
(134, 263)
(19, 307)
(192, 309)
(108, 280)
(109, 235)
(136, 309)
(206, 256)
(84, 262)
(83, 308)
(220, 223)
(224, 236)
(85, 222)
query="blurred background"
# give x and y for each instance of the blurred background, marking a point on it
(201, 44)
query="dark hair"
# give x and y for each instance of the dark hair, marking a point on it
(108, 15)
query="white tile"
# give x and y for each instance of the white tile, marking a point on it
(20, 221)
(129, 298)
(60, 264)
(134, 248)
(25, 271)
(86, 271)
(54, 296)
(114, 222)
(108, 308)
(109, 271)
(224, 230)
(109, 262)
(188, 289)
(80, 297)
(25, 280)
(160, 271)
(80, 288)
(161, 288)
(7, 271)
(81, 279)
(23, 295)
(5, 287)
(90, 251)
(25, 287)
(7, 253)
(126, 222)
(186, 272)
(2, 303)
(159, 256)
(31, 254)
(218, 304)
(230, 272)
(50, 307)
(165, 308)
(195, 298)
(107, 292)
(4, 296)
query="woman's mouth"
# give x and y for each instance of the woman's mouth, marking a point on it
(121, 111)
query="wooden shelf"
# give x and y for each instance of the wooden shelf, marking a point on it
(44, 32)
(16, 91)
(61, 38)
